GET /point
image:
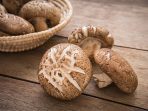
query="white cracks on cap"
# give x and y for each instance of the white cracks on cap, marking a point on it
(76, 36)
(85, 31)
(79, 36)
(94, 29)
(102, 80)
(58, 66)
(109, 35)
(48, 76)
(108, 56)
(52, 55)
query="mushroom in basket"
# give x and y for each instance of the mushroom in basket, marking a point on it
(41, 13)
(96, 42)
(12, 24)
(2, 11)
(13, 6)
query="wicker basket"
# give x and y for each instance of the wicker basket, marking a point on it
(33, 40)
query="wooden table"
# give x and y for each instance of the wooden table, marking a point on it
(127, 20)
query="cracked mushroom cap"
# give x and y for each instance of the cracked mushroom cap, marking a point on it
(14, 25)
(91, 38)
(41, 8)
(117, 68)
(99, 33)
(64, 71)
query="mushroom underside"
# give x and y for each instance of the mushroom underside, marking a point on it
(117, 68)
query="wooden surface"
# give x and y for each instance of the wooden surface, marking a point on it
(126, 19)
(25, 65)
(31, 97)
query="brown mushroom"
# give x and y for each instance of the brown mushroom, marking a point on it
(15, 25)
(64, 71)
(91, 40)
(41, 8)
(2, 9)
(117, 68)
(13, 6)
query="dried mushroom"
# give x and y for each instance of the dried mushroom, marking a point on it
(102, 80)
(13, 6)
(117, 68)
(43, 9)
(64, 71)
(2, 11)
(96, 42)
(91, 38)
(15, 25)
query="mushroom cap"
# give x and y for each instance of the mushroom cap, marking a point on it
(13, 6)
(99, 33)
(41, 8)
(15, 25)
(64, 71)
(117, 68)
(2, 9)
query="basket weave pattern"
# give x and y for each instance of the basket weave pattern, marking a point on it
(33, 40)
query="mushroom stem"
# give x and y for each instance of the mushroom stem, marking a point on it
(93, 46)
(39, 24)
(102, 80)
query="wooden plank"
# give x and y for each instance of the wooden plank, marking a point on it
(16, 95)
(127, 20)
(25, 65)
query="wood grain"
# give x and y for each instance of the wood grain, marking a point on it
(127, 20)
(16, 95)
(25, 65)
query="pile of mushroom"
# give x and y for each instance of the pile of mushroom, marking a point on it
(97, 43)
(19, 17)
